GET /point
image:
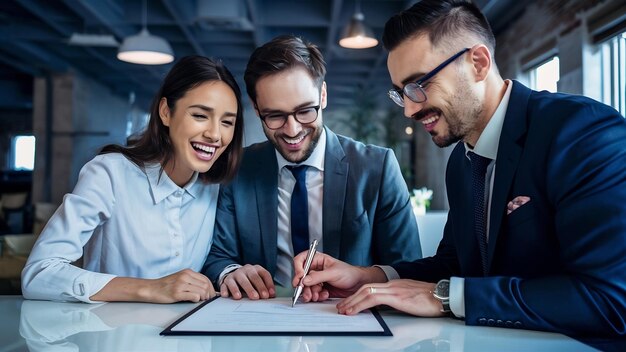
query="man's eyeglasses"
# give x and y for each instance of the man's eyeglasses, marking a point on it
(415, 90)
(276, 120)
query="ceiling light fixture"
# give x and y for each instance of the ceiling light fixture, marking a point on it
(145, 48)
(84, 39)
(356, 34)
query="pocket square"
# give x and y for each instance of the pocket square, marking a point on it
(516, 203)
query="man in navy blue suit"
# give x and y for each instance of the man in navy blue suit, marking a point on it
(536, 233)
(355, 203)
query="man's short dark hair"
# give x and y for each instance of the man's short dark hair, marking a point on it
(439, 19)
(280, 54)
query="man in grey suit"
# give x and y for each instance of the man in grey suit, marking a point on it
(352, 197)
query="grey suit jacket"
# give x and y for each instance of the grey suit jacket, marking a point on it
(367, 216)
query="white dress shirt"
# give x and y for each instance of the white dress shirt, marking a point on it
(134, 222)
(486, 146)
(315, 193)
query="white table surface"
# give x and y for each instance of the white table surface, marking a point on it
(50, 326)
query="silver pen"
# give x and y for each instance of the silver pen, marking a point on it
(307, 266)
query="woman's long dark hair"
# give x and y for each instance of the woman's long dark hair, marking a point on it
(155, 145)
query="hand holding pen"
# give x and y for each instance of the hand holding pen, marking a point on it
(307, 266)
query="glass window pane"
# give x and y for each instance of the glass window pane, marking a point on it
(23, 152)
(546, 75)
(613, 58)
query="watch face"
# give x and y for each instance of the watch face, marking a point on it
(443, 288)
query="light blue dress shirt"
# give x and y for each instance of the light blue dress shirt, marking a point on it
(130, 221)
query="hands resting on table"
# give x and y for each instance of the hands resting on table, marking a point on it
(361, 287)
(185, 285)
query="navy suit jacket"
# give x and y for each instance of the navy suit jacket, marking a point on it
(367, 215)
(558, 262)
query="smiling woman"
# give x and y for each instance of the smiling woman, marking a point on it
(201, 125)
(144, 213)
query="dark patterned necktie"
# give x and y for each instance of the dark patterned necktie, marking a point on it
(299, 210)
(479, 169)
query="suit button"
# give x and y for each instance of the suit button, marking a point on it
(518, 324)
(499, 322)
(491, 322)
(482, 321)
(508, 324)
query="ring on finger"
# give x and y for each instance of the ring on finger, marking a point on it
(372, 290)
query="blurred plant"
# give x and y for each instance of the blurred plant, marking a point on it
(362, 119)
(420, 199)
(391, 125)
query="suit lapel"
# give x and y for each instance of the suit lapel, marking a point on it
(509, 152)
(335, 184)
(266, 189)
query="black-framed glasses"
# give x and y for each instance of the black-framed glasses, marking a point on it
(276, 120)
(415, 90)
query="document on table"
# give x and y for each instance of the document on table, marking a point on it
(226, 316)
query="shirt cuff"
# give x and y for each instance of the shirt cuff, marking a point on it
(227, 270)
(457, 296)
(389, 271)
(90, 283)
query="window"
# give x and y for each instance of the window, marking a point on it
(546, 75)
(613, 68)
(23, 153)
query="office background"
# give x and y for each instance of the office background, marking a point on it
(65, 94)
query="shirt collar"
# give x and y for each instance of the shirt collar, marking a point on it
(316, 159)
(161, 186)
(487, 144)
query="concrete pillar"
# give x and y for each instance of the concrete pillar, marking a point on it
(52, 119)
(570, 49)
(73, 117)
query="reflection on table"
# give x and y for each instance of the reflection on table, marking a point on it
(45, 326)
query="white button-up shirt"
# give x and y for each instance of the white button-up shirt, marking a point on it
(134, 222)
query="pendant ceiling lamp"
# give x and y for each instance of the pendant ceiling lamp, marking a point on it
(144, 48)
(356, 34)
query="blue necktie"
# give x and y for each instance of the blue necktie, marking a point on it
(299, 211)
(479, 169)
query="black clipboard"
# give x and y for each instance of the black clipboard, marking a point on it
(170, 330)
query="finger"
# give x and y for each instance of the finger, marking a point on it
(203, 291)
(298, 263)
(268, 281)
(349, 301)
(187, 296)
(324, 295)
(200, 285)
(211, 292)
(367, 297)
(257, 286)
(306, 294)
(244, 282)
(367, 301)
(195, 279)
(233, 287)
(319, 277)
(316, 295)
(223, 290)
(315, 290)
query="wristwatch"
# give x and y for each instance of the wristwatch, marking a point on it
(442, 293)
